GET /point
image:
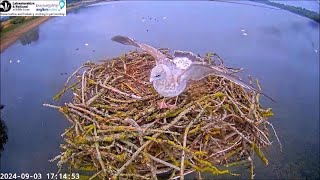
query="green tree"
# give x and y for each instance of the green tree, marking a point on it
(17, 20)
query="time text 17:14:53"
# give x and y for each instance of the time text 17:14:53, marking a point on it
(39, 176)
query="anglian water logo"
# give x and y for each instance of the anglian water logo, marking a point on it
(5, 6)
(62, 4)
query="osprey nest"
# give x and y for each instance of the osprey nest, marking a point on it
(118, 131)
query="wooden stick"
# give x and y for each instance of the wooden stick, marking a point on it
(148, 142)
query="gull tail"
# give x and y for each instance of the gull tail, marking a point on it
(125, 40)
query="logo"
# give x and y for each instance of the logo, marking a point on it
(33, 8)
(5, 6)
(61, 4)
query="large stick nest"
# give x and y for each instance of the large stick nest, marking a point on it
(119, 131)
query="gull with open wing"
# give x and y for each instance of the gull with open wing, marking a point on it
(170, 76)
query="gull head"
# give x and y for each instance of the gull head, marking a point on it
(158, 73)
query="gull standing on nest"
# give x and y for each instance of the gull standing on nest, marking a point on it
(170, 76)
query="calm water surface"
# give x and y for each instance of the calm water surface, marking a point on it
(281, 49)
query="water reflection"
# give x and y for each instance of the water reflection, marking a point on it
(273, 30)
(298, 26)
(313, 24)
(294, 29)
(29, 37)
(3, 135)
(75, 10)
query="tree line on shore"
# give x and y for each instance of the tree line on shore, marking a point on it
(297, 10)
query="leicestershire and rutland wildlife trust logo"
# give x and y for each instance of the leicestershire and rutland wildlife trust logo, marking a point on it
(5, 6)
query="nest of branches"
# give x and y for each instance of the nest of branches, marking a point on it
(118, 130)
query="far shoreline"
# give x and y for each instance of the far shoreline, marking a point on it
(12, 36)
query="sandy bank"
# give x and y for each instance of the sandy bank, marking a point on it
(10, 37)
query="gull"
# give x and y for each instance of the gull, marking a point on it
(169, 77)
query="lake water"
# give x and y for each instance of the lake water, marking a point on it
(279, 48)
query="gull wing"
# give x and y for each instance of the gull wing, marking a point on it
(199, 71)
(160, 57)
(187, 54)
(183, 59)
